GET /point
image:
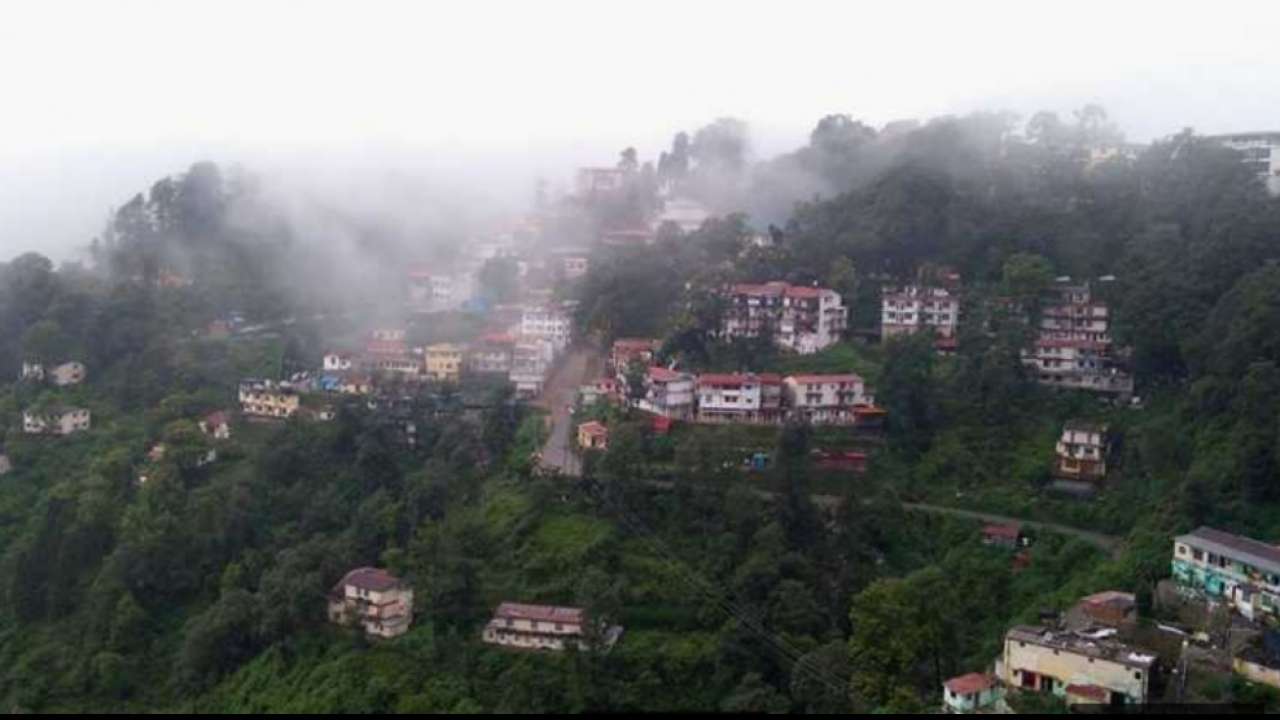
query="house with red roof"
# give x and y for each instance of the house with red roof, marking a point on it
(216, 425)
(1003, 534)
(542, 627)
(627, 350)
(972, 692)
(375, 599)
(593, 435)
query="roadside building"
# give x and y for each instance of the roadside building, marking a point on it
(1240, 571)
(547, 323)
(593, 435)
(1040, 659)
(373, 598)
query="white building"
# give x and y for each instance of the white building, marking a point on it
(906, 310)
(55, 421)
(799, 318)
(826, 399)
(530, 362)
(265, 398)
(668, 393)
(68, 373)
(547, 323)
(739, 397)
(379, 601)
(686, 214)
(1082, 452)
(542, 627)
(1260, 151)
(337, 361)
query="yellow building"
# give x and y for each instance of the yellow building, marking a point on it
(444, 361)
(1076, 664)
(264, 398)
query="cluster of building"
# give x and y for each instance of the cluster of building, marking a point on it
(55, 420)
(382, 605)
(799, 318)
(216, 426)
(739, 398)
(1074, 349)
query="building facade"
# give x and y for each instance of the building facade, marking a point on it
(1043, 660)
(68, 373)
(1260, 152)
(668, 393)
(55, 421)
(547, 323)
(542, 627)
(799, 318)
(1240, 571)
(268, 399)
(826, 399)
(1074, 349)
(904, 311)
(970, 693)
(378, 601)
(444, 362)
(739, 398)
(1081, 452)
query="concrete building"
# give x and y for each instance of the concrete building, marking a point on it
(1260, 152)
(826, 399)
(1044, 660)
(739, 398)
(1220, 566)
(1008, 535)
(543, 322)
(55, 421)
(374, 598)
(542, 627)
(530, 362)
(337, 361)
(904, 311)
(1081, 452)
(267, 399)
(1074, 349)
(970, 693)
(686, 214)
(444, 362)
(668, 393)
(216, 425)
(799, 318)
(491, 354)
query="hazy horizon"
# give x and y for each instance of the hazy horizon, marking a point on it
(434, 92)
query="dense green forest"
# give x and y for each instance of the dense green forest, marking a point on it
(203, 589)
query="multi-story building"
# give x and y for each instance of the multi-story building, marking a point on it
(1260, 152)
(904, 311)
(547, 323)
(379, 601)
(799, 318)
(216, 425)
(593, 181)
(265, 398)
(55, 421)
(544, 627)
(686, 214)
(491, 354)
(1240, 571)
(1081, 452)
(826, 399)
(668, 393)
(530, 362)
(1076, 663)
(444, 362)
(739, 398)
(1074, 349)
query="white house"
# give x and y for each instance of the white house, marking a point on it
(739, 397)
(668, 393)
(337, 361)
(826, 399)
(906, 310)
(542, 627)
(55, 421)
(800, 318)
(547, 323)
(379, 601)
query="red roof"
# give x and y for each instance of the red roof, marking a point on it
(770, 378)
(1012, 530)
(970, 683)
(593, 427)
(661, 424)
(542, 613)
(1092, 692)
(369, 578)
(800, 291)
(727, 379)
(657, 373)
(216, 418)
(832, 378)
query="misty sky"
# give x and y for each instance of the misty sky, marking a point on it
(102, 98)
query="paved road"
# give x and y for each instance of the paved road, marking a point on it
(557, 397)
(1106, 543)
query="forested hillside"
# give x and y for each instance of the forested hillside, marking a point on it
(203, 589)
